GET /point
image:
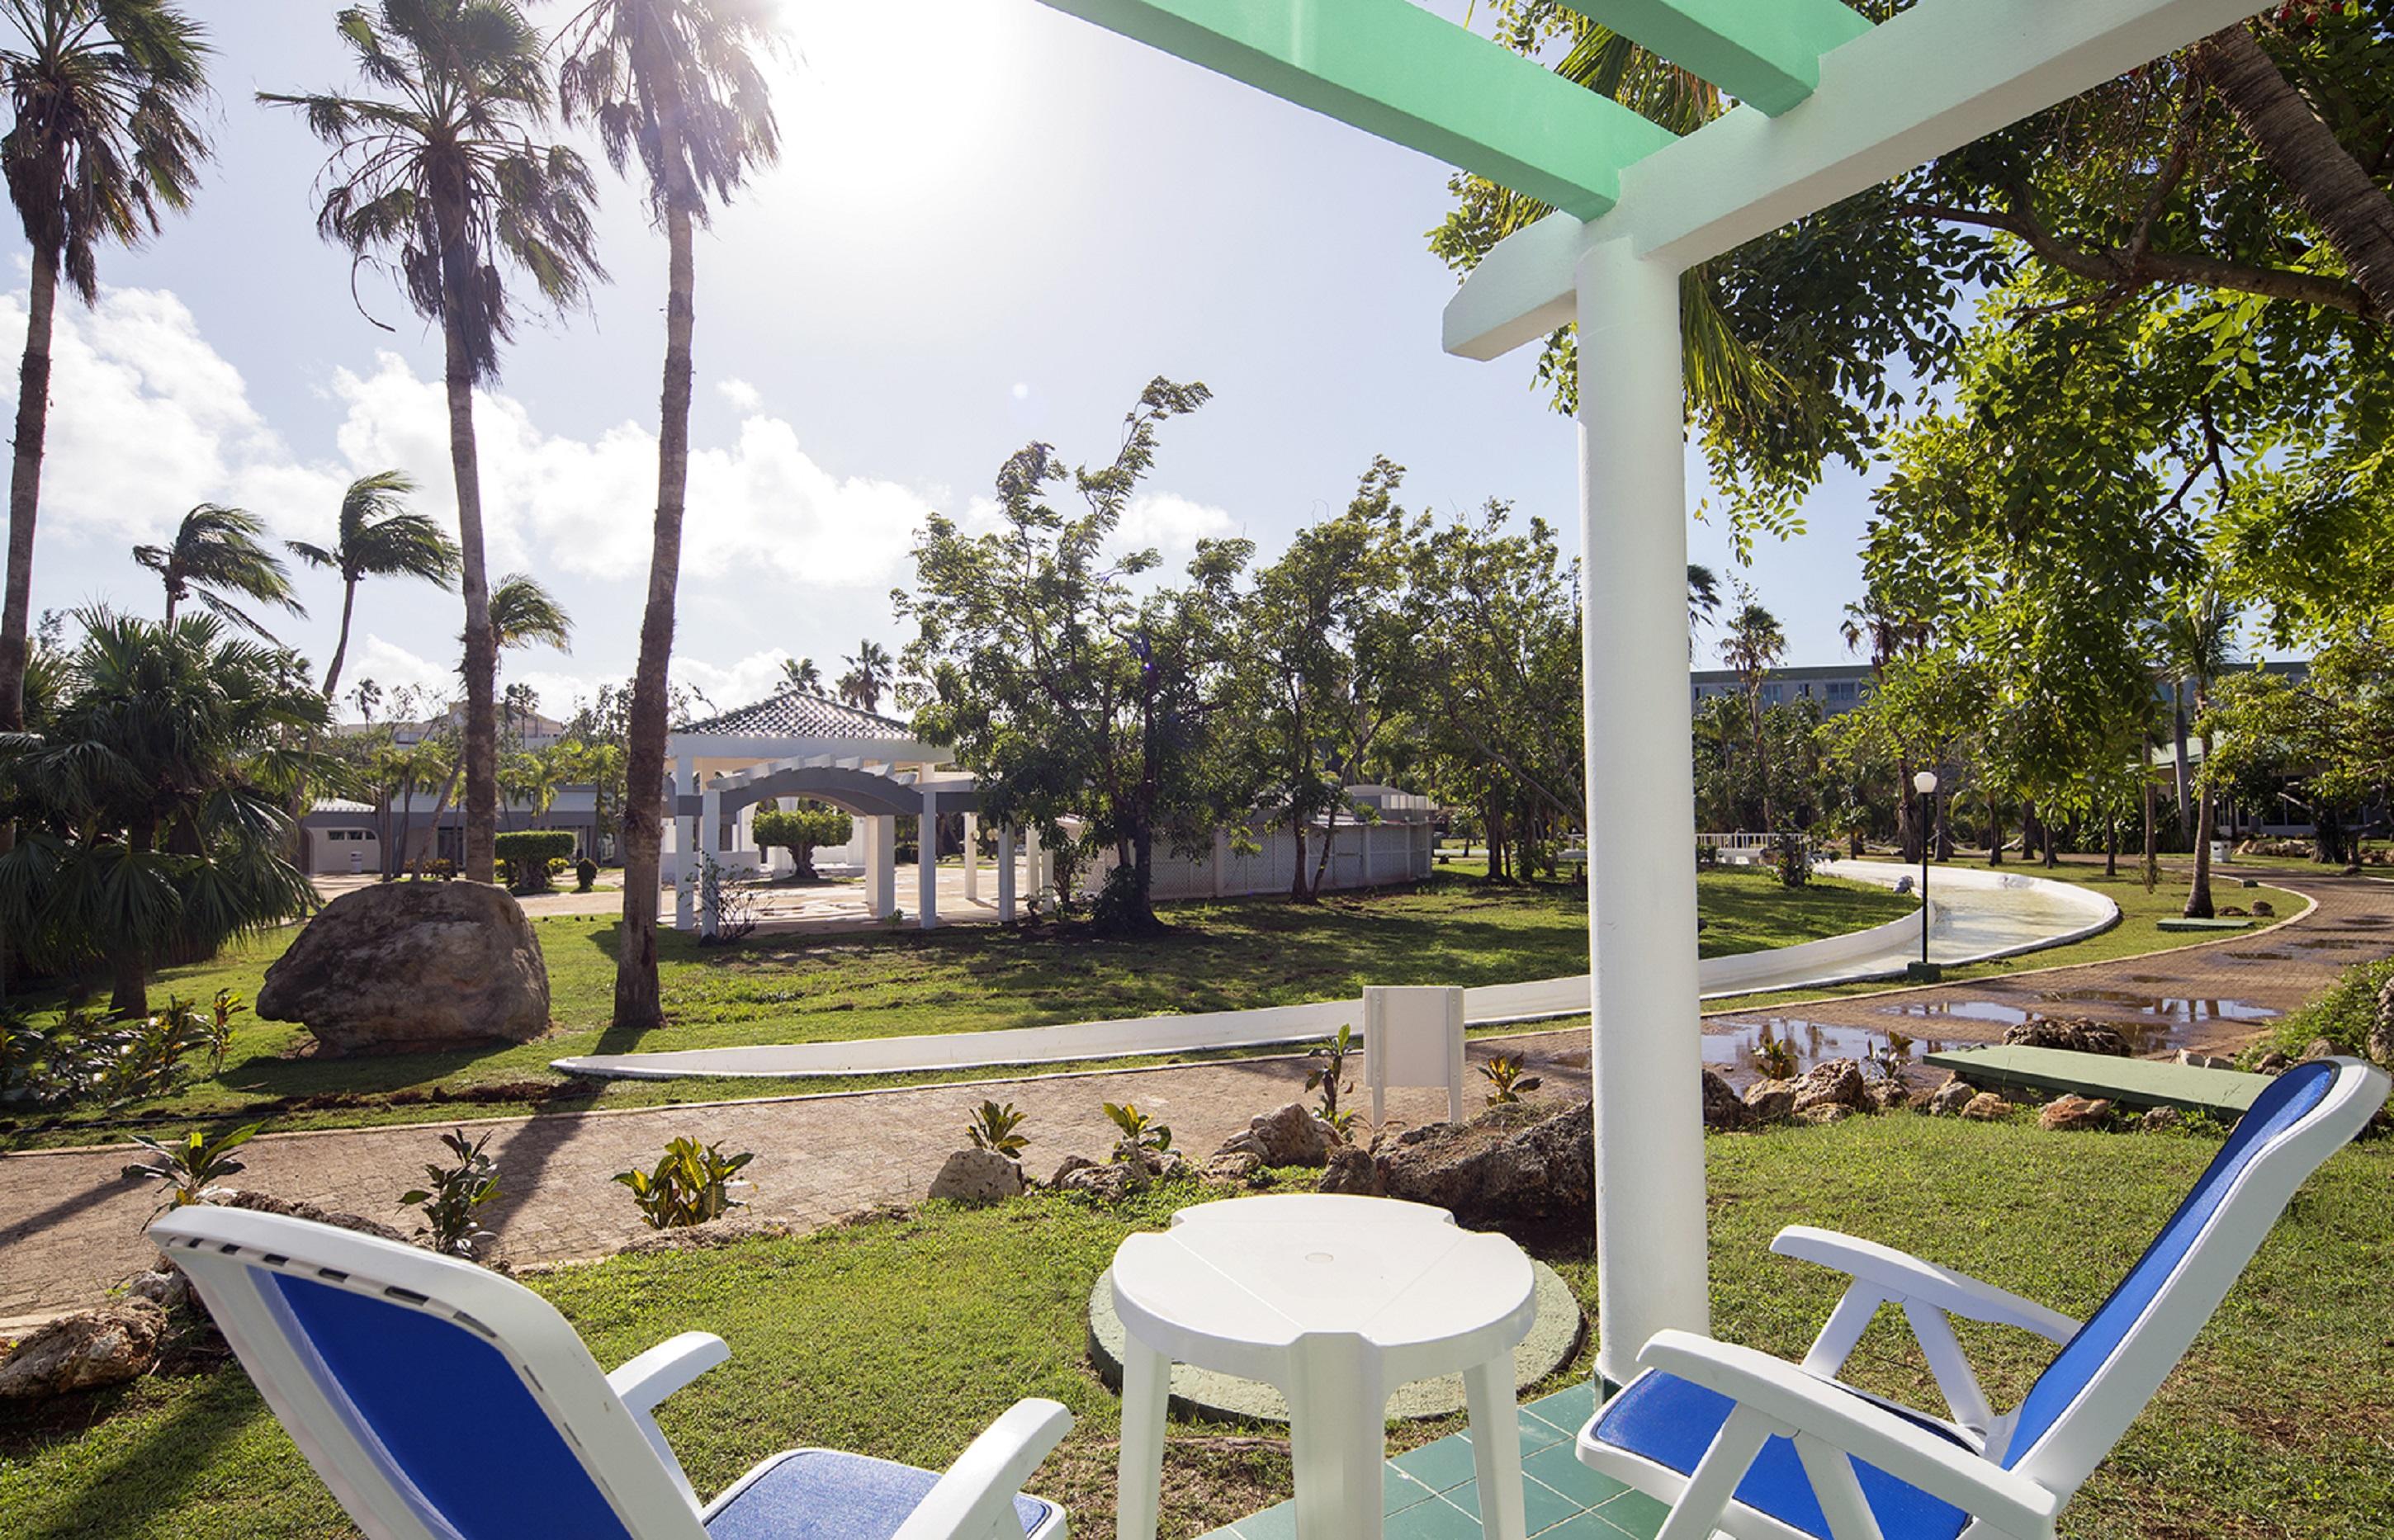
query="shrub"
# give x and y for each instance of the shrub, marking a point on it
(1139, 1131)
(2343, 1014)
(1334, 1055)
(453, 1195)
(526, 853)
(190, 1169)
(690, 1184)
(227, 1005)
(802, 833)
(1774, 1058)
(733, 907)
(1793, 861)
(1707, 855)
(1506, 1081)
(586, 874)
(993, 1128)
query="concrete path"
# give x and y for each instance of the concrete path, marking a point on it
(69, 1226)
(1978, 915)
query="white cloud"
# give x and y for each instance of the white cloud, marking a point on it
(1172, 524)
(1022, 390)
(742, 396)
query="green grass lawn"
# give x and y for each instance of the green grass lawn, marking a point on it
(902, 1337)
(776, 989)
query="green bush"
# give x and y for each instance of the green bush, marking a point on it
(2343, 1015)
(586, 874)
(803, 832)
(526, 853)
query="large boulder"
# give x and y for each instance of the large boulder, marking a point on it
(1832, 1083)
(106, 1345)
(2075, 1033)
(1509, 1162)
(1948, 1099)
(1354, 1172)
(1771, 1100)
(977, 1176)
(409, 966)
(1723, 1108)
(1290, 1135)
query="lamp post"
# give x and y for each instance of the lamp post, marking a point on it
(1926, 784)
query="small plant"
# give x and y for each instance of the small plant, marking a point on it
(689, 1185)
(1707, 855)
(227, 1005)
(1506, 1081)
(1794, 860)
(1139, 1131)
(190, 1169)
(731, 907)
(453, 1195)
(1774, 1057)
(145, 1059)
(993, 1128)
(586, 874)
(1334, 1055)
(1342, 1121)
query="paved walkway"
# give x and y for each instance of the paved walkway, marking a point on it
(69, 1226)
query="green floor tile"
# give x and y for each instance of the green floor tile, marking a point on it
(1637, 1513)
(1568, 1409)
(1560, 1467)
(1542, 1505)
(1447, 1463)
(1400, 1492)
(1272, 1523)
(1534, 1435)
(1228, 1532)
(1432, 1521)
(1583, 1526)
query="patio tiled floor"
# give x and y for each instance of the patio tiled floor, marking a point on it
(1431, 1494)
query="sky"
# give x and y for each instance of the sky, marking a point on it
(991, 224)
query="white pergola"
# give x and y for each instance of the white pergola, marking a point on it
(1830, 105)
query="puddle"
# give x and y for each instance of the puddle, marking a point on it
(1731, 1047)
(2184, 1012)
(2259, 956)
(1968, 1010)
(2160, 1021)
(2333, 943)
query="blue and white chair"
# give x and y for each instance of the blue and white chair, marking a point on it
(1760, 1449)
(442, 1402)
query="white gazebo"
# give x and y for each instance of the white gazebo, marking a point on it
(797, 743)
(1830, 105)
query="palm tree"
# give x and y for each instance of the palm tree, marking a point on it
(104, 93)
(377, 536)
(867, 676)
(215, 552)
(676, 81)
(2198, 639)
(802, 674)
(1751, 643)
(443, 175)
(151, 807)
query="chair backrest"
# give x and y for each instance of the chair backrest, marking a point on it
(2106, 1372)
(439, 1401)
(1413, 1035)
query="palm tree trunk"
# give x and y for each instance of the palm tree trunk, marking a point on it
(2198, 898)
(2152, 860)
(639, 1003)
(2351, 209)
(25, 494)
(341, 644)
(479, 754)
(2178, 742)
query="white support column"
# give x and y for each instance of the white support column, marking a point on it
(926, 864)
(881, 865)
(1006, 874)
(1647, 1052)
(685, 783)
(1031, 853)
(972, 858)
(710, 844)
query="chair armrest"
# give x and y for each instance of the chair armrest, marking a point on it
(1903, 1277)
(1802, 1404)
(642, 1382)
(975, 1499)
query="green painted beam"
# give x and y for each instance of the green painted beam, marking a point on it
(1394, 71)
(2135, 1082)
(1763, 52)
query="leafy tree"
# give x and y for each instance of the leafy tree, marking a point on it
(377, 535)
(677, 82)
(1751, 643)
(2326, 742)
(150, 803)
(441, 173)
(802, 674)
(1062, 686)
(2198, 637)
(868, 675)
(802, 832)
(105, 97)
(215, 554)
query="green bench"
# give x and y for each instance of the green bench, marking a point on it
(2132, 1082)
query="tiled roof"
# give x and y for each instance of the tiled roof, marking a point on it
(794, 712)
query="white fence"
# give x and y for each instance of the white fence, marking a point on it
(1361, 855)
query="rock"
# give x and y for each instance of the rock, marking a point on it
(2193, 1059)
(1171, 1167)
(1516, 1162)
(1888, 1094)
(2075, 1033)
(1069, 1164)
(409, 966)
(1352, 1171)
(1986, 1107)
(1240, 1166)
(1831, 1083)
(267, 1203)
(1723, 1108)
(2160, 1120)
(2381, 1031)
(1109, 1184)
(1245, 1144)
(2073, 1114)
(1293, 1136)
(166, 1288)
(1951, 1097)
(106, 1345)
(2318, 1047)
(1771, 1100)
(2272, 1062)
(978, 1176)
(1827, 1112)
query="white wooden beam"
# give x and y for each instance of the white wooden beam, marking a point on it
(1930, 80)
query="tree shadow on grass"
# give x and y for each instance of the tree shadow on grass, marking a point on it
(148, 1478)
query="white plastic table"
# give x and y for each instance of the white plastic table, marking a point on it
(1335, 1301)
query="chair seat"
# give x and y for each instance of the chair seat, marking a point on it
(825, 1494)
(1671, 1421)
